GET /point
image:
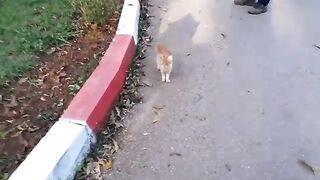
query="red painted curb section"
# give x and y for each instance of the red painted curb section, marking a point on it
(95, 99)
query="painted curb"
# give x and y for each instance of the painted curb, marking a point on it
(95, 100)
(57, 154)
(129, 20)
(67, 143)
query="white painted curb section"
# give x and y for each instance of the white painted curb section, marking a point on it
(60, 152)
(129, 20)
(57, 155)
(93, 138)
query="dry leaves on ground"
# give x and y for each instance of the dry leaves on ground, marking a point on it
(157, 111)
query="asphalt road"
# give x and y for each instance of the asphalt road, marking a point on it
(244, 97)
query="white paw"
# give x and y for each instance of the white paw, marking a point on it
(168, 80)
(163, 79)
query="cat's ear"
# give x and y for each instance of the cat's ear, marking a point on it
(170, 58)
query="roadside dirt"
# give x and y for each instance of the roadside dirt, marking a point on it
(30, 105)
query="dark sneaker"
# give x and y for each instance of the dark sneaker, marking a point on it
(244, 2)
(258, 9)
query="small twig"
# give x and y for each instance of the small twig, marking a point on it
(146, 84)
(175, 154)
(158, 108)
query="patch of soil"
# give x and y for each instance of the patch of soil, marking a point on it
(30, 105)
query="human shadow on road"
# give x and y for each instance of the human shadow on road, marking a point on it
(192, 61)
(178, 38)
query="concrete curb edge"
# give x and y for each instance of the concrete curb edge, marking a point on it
(67, 143)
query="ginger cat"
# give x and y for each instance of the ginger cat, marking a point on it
(164, 62)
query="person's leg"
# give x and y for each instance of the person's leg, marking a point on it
(260, 7)
(264, 2)
(244, 2)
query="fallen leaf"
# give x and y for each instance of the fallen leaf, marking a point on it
(60, 104)
(93, 169)
(23, 141)
(94, 26)
(158, 107)
(157, 116)
(62, 74)
(16, 134)
(51, 51)
(9, 121)
(13, 102)
(7, 112)
(156, 119)
(127, 104)
(175, 154)
(116, 146)
(23, 126)
(156, 111)
(107, 147)
(42, 99)
(145, 134)
(147, 84)
(316, 46)
(33, 129)
(106, 165)
(228, 167)
(148, 40)
(37, 83)
(22, 80)
(25, 115)
(118, 110)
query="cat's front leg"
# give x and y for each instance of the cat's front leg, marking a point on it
(167, 78)
(163, 77)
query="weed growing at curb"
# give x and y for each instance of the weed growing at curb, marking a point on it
(96, 11)
(100, 159)
(83, 75)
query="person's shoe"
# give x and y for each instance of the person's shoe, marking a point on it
(244, 2)
(258, 9)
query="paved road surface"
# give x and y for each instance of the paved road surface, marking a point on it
(243, 107)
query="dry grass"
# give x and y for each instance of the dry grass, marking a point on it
(96, 11)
